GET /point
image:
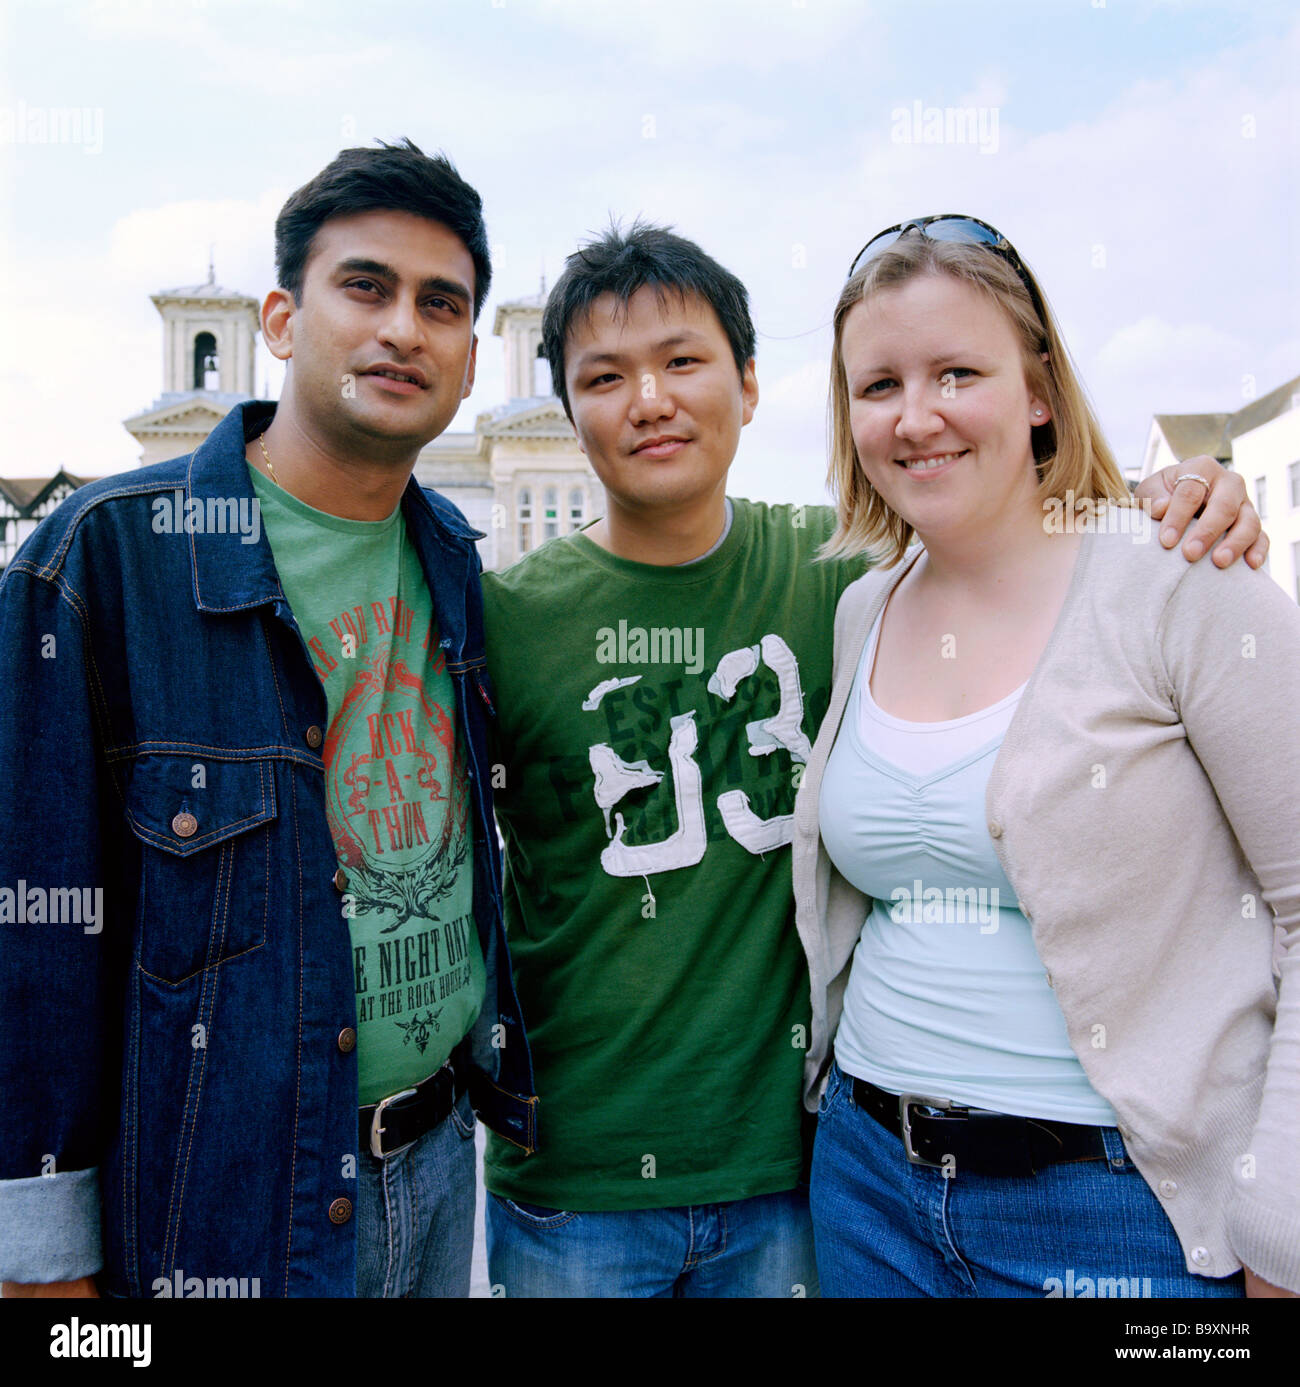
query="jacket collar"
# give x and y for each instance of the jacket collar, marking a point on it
(229, 574)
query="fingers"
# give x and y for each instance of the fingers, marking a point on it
(1244, 537)
(1184, 502)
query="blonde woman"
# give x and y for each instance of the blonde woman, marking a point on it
(1047, 849)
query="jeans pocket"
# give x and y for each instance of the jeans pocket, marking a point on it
(462, 1116)
(831, 1092)
(535, 1215)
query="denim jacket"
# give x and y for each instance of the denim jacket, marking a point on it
(177, 1063)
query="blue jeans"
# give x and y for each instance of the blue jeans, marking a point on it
(885, 1227)
(760, 1246)
(415, 1213)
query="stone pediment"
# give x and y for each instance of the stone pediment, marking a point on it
(536, 418)
(185, 416)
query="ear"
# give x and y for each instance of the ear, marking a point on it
(1037, 420)
(748, 392)
(469, 368)
(277, 323)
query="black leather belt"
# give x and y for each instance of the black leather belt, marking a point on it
(404, 1117)
(971, 1139)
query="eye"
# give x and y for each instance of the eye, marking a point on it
(601, 380)
(875, 388)
(365, 285)
(683, 361)
(958, 371)
(443, 304)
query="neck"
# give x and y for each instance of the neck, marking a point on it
(661, 536)
(998, 559)
(316, 470)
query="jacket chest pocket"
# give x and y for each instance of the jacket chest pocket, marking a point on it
(205, 828)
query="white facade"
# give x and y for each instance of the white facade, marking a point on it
(1268, 458)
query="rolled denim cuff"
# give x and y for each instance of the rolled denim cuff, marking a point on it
(50, 1227)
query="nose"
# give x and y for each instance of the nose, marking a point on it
(919, 414)
(651, 400)
(400, 327)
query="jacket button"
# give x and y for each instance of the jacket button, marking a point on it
(347, 1040)
(1201, 1256)
(340, 1211)
(995, 829)
(314, 736)
(340, 880)
(1168, 1188)
(185, 825)
(1047, 973)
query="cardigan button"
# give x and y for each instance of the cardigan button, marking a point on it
(1201, 1256)
(1168, 1188)
(995, 829)
(1047, 973)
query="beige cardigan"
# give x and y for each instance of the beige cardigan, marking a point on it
(1145, 806)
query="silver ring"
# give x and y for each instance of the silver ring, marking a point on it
(1193, 477)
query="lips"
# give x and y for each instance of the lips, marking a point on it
(934, 462)
(665, 445)
(398, 376)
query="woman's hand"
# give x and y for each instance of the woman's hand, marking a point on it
(1227, 507)
(1259, 1289)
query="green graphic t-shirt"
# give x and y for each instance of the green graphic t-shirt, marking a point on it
(654, 723)
(395, 784)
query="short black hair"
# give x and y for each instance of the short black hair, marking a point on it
(389, 178)
(621, 262)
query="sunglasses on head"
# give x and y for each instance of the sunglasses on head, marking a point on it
(952, 226)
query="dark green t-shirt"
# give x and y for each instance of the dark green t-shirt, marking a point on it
(396, 791)
(654, 722)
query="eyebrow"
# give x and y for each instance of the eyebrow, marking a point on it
(589, 359)
(438, 284)
(957, 358)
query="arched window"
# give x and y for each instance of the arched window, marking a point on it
(551, 520)
(577, 509)
(525, 513)
(206, 372)
(542, 374)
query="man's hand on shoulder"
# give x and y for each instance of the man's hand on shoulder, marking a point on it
(1227, 512)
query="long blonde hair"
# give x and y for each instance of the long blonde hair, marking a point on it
(1071, 455)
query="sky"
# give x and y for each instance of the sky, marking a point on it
(1142, 155)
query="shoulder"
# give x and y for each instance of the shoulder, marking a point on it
(785, 521)
(534, 578)
(106, 505)
(1131, 571)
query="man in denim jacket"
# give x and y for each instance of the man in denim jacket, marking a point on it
(249, 876)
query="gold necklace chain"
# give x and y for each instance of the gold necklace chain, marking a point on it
(267, 456)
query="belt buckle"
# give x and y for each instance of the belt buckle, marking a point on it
(377, 1127)
(906, 1100)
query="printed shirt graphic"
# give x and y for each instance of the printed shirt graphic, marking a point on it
(396, 790)
(654, 723)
